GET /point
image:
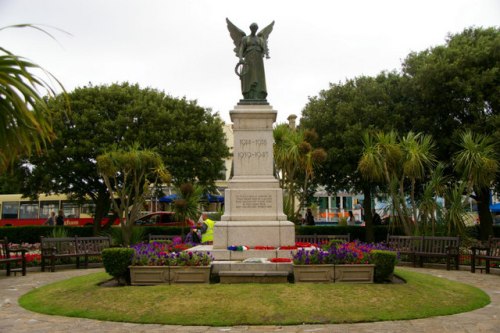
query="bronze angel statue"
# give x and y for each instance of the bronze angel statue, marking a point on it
(251, 51)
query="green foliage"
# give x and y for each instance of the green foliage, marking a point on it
(296, 161)
(186, 206)
(384, 261)
(137, 235)
(188, 137)
(58, 232)
(127, 175)
(116, 262)
(25, 117)
(32, 234)
(377, 106)
(332, 243)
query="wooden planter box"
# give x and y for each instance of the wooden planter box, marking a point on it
(153, 275)
(354, 273)
(313, 273)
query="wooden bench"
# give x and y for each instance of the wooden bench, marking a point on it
(321, 239)
(440, 247)
(153, 238)
(421, 247)
(407, 245)
(487, 253)
(7, 259)
(71, 247)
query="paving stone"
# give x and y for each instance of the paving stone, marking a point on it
(16, 319)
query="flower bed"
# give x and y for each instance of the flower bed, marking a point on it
(350, 262)
(156, 263)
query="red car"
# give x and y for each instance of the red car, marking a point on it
(166, 219)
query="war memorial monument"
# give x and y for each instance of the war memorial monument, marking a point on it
(253, 200)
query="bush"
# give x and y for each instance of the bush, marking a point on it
(136, 237)
(384, 264)
(116, 261)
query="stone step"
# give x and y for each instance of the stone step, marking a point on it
(253, 276)
(218, 266)
(226, 255)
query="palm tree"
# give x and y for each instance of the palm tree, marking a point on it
(309, 160)
(25, 119)
(428, 206)
(287, 156)
(417, 159)
(478, 163)
(186, 206)
(381, 160)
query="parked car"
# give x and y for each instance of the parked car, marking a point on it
(166, 219)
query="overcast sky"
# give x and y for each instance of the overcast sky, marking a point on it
(183, 47)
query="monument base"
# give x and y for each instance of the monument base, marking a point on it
(254, 233)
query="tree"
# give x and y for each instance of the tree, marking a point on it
(126, 174)
(25, 118)
(189, 139)
(340, 115)
(418, 159)
(295, 160)
(454, 87)
(478, 164)
(393, 160)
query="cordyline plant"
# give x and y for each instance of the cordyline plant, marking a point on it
(128, 175)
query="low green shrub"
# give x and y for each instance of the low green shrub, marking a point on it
(137, 236)
(384, 261)
(116, 261)
(332, 243)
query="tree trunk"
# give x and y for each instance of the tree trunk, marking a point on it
(102, 205)
(367, 206)
(485, 218)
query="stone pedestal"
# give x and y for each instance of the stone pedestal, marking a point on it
(253, 200)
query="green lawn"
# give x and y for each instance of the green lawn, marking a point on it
(256, 304)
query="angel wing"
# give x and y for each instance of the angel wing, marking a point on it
(236, 35)
(264, 34)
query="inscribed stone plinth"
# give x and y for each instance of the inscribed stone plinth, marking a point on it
(253, 200)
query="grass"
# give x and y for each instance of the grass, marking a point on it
(256, 304)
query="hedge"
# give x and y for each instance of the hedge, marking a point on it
(31, 234)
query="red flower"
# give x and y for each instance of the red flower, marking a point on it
(280, 260)
(264, 247)
(303, 244)
(293, 247)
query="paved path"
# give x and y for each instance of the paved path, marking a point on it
(13, 318)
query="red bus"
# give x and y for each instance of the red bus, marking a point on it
(18, 211)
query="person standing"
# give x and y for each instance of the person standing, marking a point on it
(60, 218)
(51, 220)
(309, 217)
(350, 219)
(376, 218)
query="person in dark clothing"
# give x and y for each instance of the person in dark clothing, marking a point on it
(60, 218)
(376, 218)
(309, 217)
